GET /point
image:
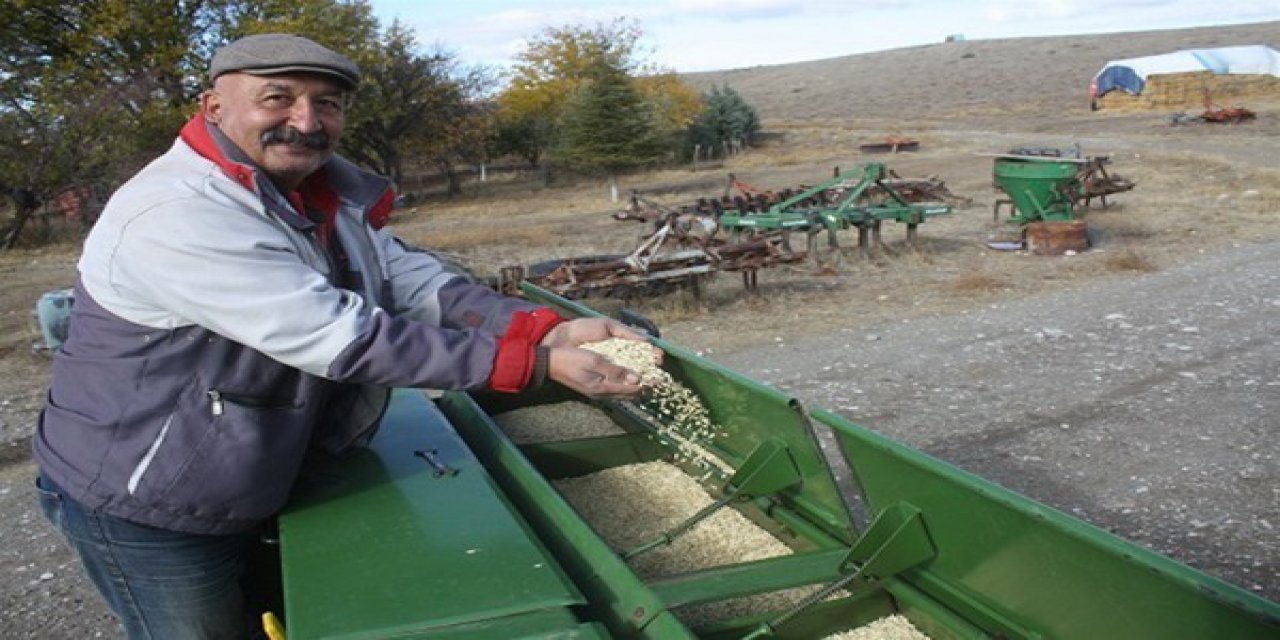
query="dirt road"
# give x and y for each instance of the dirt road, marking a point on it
(1148, 406)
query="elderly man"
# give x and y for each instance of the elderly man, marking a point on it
(239, 306)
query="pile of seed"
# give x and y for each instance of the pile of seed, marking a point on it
(681, 417)
(633, 504)
(556, 422)
(895, 627)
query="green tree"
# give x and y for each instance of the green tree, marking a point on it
(726, 123)
(92, 89)
(411, 102)
(558, 62)
(86, 88)
(608, 126)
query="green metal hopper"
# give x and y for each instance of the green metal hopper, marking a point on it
(1041, 188)
(445, 528)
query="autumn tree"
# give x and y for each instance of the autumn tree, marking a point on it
(558, 61)
(92, 89)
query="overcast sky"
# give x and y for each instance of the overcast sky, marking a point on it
(701, 35)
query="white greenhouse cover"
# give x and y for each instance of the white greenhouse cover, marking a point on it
(1131, 74)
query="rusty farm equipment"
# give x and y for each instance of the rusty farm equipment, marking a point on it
(745, 230)
(682, 252)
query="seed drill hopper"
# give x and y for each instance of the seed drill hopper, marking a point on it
(445, 528)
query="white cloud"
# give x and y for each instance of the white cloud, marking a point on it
(735, 9)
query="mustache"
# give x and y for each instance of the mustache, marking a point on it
(318, 140)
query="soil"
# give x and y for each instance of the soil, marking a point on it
(1135, 385)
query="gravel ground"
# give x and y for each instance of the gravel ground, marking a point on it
(1148, 406)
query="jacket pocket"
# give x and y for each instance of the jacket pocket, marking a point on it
(227, 454)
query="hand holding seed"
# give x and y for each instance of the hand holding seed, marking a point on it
(591, 374)
(576, 333)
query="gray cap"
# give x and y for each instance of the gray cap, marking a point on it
(269, 54)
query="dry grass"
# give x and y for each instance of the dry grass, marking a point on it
(1177, 204)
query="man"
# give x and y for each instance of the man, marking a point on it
(239, 306)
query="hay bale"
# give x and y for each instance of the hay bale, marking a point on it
(1187, 91)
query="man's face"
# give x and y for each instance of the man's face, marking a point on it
(288, 124)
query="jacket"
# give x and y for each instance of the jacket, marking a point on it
(222, 329)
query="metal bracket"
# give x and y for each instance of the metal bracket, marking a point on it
(767, 470)
(896, 541)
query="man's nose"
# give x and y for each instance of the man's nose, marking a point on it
(305, 117)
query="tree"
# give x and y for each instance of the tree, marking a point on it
(91, 89)
(413, 102)
(85, 87)
(561, 60)
(726, 122)
(609, 127)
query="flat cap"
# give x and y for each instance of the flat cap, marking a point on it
(270, 54)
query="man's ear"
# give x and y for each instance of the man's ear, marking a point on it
(211, 105)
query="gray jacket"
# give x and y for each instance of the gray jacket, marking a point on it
(215, 339)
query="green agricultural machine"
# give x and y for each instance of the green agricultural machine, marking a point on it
(840, 203)
(446, 529)
(1040, 188)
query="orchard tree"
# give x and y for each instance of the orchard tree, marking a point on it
(92, 89)
(89, 91)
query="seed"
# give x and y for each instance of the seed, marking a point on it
(632, 504)
(556, 422)
(686, 423)
(894, 627)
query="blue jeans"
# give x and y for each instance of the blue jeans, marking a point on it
(160, 584)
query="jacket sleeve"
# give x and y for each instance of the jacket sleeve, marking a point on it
(423, 289)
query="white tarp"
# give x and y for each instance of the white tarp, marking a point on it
(1131, 74)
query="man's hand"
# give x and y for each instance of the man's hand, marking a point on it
(586, 372)
(583, 330)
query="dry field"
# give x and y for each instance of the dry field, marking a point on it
(1200, 190)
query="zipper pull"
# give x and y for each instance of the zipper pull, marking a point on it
(217, 407)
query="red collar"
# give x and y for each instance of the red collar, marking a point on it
(315, 191)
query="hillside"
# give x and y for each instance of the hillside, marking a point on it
(973, 78)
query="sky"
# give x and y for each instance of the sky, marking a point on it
(705, 35)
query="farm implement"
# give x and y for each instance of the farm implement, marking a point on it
(1052, 184)
(452, 525)
(862, 199)
(745, 230)
(1048, 191)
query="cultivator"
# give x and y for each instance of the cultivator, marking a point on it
(748, 229)
(862, 199)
